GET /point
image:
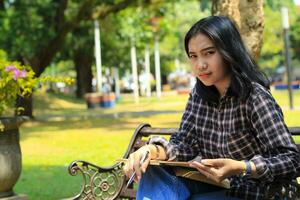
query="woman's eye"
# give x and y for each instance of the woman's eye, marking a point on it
(209, 53)
(192, 56)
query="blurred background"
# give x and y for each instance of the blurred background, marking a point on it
(59, 38)
(128, 61)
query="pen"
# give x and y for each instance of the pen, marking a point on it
(145, 156)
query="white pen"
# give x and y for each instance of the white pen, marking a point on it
(144, 158)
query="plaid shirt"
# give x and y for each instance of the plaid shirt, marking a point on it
(251, 130)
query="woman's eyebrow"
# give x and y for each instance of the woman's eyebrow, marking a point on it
(204, 49)
(208, 48)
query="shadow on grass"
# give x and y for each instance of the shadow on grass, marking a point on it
(30, 130)
(42, 99)
(47, 183)
(127, 121)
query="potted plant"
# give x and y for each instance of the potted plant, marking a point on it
(15, 79)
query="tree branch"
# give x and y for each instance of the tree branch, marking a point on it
(103, 10)
(43, 57)
(2, 5)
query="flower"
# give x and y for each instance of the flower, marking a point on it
(19, 80)
(15, 79)
(17, 73)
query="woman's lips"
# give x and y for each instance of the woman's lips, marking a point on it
(204, 75)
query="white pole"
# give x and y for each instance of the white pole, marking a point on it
(157, 68)
(285, 25)
(147, 70)
(134, 73)
(177, 64)
(117, 82)
(98, 56)
(285, 18)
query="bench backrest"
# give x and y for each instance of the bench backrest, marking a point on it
(141, 134)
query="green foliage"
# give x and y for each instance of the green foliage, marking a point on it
(19, 80)
(168, 21)
(180, 17)
(61, 68)
(3, 55)
(272, 53)
(26, 24)
(295, 38)
(66, 80)
(15, 80)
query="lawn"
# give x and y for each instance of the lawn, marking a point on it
(65, 131)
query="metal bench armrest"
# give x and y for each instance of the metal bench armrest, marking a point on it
(98, 182)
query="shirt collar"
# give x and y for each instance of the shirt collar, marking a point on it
(211, 94)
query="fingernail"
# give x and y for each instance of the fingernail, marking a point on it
(203, 161)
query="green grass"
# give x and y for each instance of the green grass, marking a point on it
(99, 136)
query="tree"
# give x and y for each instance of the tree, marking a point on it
(295, 38)
(88, 10)
(272, 54)
(34, 31)
(172, 25)
(248, 16)
(78, 49)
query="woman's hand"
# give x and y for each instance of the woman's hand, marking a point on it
(133, 162)
(219, 169)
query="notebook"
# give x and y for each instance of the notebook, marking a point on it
(183, 169)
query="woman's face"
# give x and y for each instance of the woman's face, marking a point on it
(207, 63)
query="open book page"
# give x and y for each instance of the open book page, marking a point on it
(184, 170)
(162, 162)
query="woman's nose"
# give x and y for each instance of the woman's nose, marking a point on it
(202, 66)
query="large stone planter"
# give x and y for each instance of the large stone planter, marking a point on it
(10, 155)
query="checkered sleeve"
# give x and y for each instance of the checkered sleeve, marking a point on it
(183, 145)
(273, 135)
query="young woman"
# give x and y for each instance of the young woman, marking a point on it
(231, 120)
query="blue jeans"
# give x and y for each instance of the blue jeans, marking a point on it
(160, 183)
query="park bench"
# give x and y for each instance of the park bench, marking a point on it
(109, 182)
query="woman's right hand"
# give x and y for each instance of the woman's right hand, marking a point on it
(133, 162)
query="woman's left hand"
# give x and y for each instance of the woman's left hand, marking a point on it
(219, 169)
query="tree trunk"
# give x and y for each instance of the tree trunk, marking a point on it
(83, 59)
(228, 8)
(252, 25)
(249, 17)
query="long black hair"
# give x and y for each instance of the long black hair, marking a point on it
(227, 39)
